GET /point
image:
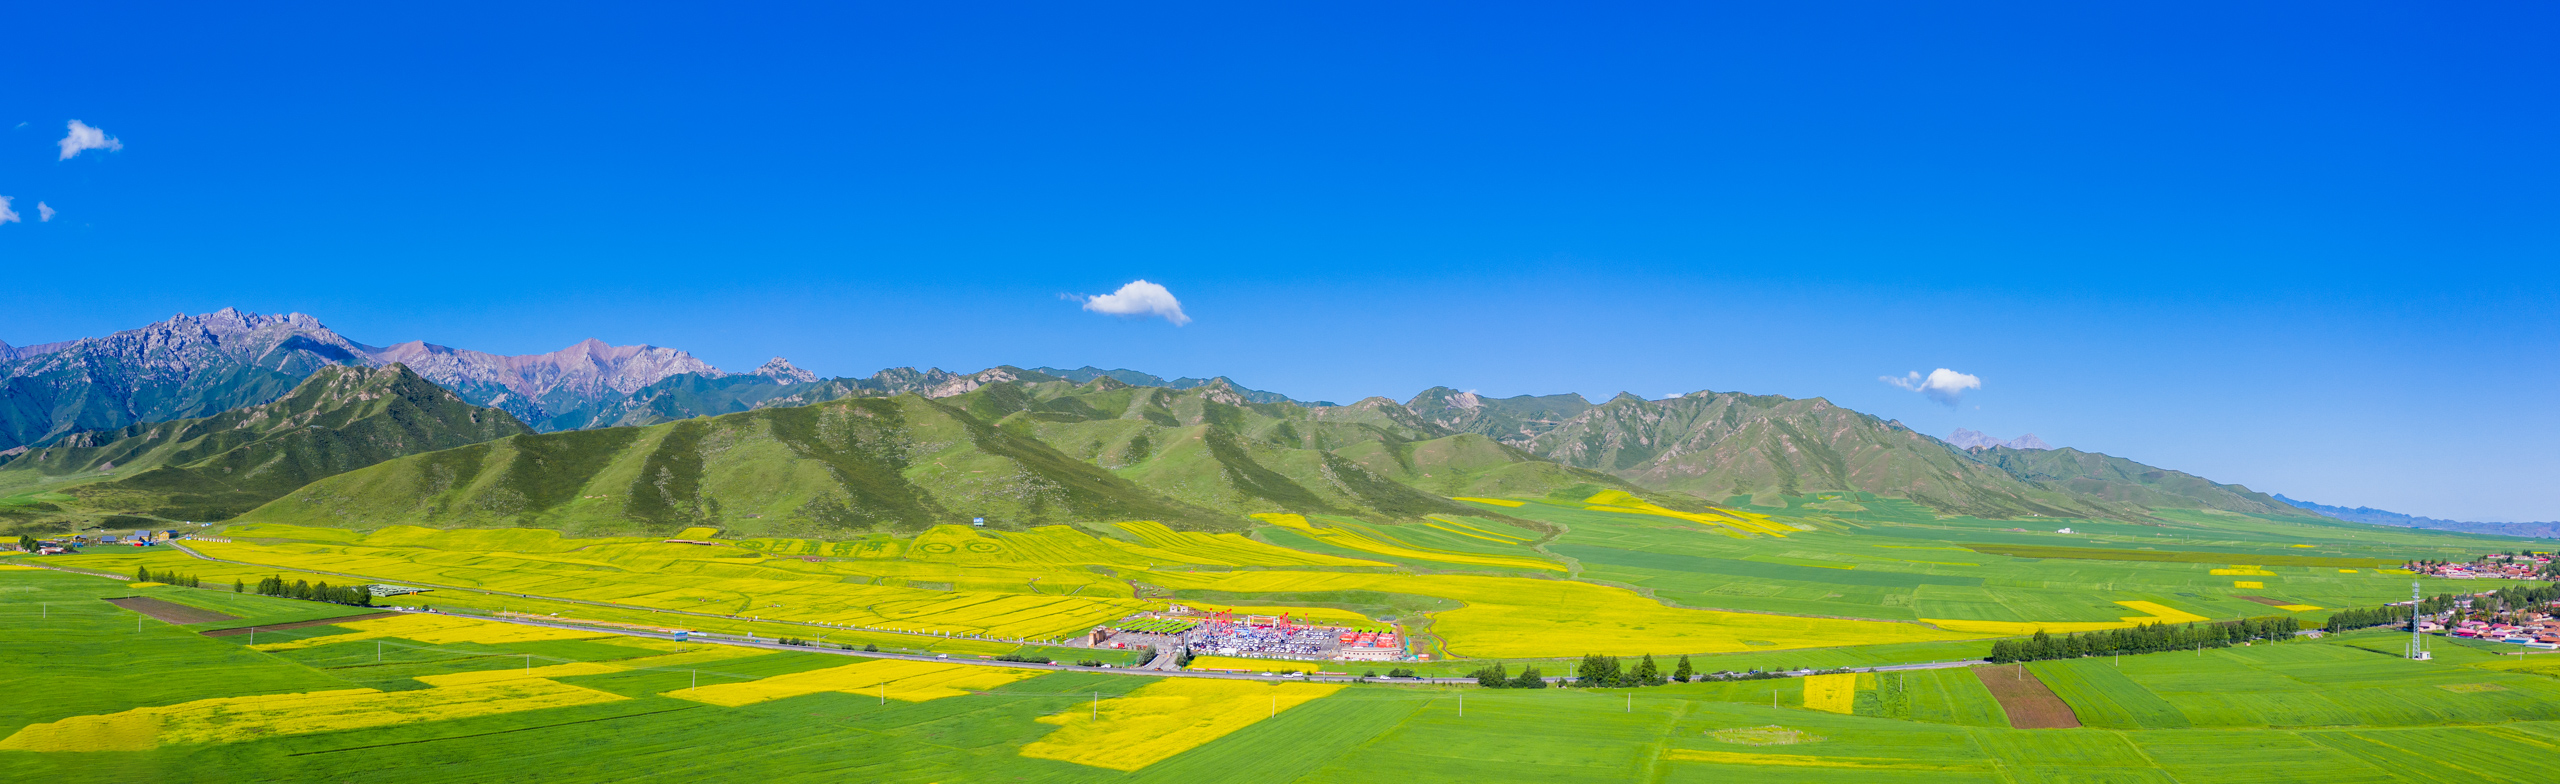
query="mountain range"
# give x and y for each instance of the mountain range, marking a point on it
(338, 419)
(2367, 514)
(1970, 439)
(641, 437)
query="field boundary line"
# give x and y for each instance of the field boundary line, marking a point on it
(495, 732)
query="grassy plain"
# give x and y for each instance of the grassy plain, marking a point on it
(2384, 720)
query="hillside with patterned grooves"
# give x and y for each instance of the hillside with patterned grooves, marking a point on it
(1211, 446)
(827, 469)
(211, 468)
(1031, 451)
(1721, 444)
(2118, 479)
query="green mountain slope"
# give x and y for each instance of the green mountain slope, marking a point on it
(1717, 444)
(1032, 451)
(1213, 446)
(2121, 480)
(842, 466)
(338, 419)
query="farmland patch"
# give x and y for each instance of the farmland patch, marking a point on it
(1165, 718)
(170, 612)
(2029, 704)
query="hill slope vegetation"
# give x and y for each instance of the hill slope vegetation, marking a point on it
(338, 419)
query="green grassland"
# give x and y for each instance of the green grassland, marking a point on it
(2382, 720)
(1885, 559)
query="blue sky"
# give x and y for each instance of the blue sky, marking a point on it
(2307, 247)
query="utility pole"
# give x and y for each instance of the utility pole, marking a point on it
(2417, 646)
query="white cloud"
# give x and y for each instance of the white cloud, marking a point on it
(1942, 385)
(7, 215)
(44, 212)
(1139, 298)
(83, 137)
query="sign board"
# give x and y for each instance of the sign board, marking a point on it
(978, 521)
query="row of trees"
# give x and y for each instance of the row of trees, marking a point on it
(1596, 671)
(1493, 678)
(143, 574)
(322, 592)
(1608, 672)
(2145, 638)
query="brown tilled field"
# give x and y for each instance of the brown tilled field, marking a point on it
(2030, 705)
(171, 612)
(299, 624)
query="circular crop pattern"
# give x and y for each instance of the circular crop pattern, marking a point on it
(983, 547)
(936, 548)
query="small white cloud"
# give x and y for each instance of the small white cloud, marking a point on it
(1139, 298)
(7, 215)
(83, 137)
(1942, 385)
(44, 212)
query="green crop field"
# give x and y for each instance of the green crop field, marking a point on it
(1799, 583)
(2328, 710)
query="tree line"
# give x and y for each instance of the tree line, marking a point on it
(143, 574)
(2144, 638)
(1596, 671)
(307, 591)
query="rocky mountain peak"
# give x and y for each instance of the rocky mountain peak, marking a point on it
(1973, 439)
(781, 370)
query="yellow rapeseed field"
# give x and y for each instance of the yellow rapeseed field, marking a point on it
(1354, 540)
(1228, 549)
(434, 630)
(1837, 693)
(1519, 617)
(2244, 570)
(234, 719)
(1000, 602)
(908, 681)
(697, 533)
(2297, 607)
(2154, 612)
(519, 673)
(1746, 522)
(2247, 584)
(1165, 718)
(1461, 528)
